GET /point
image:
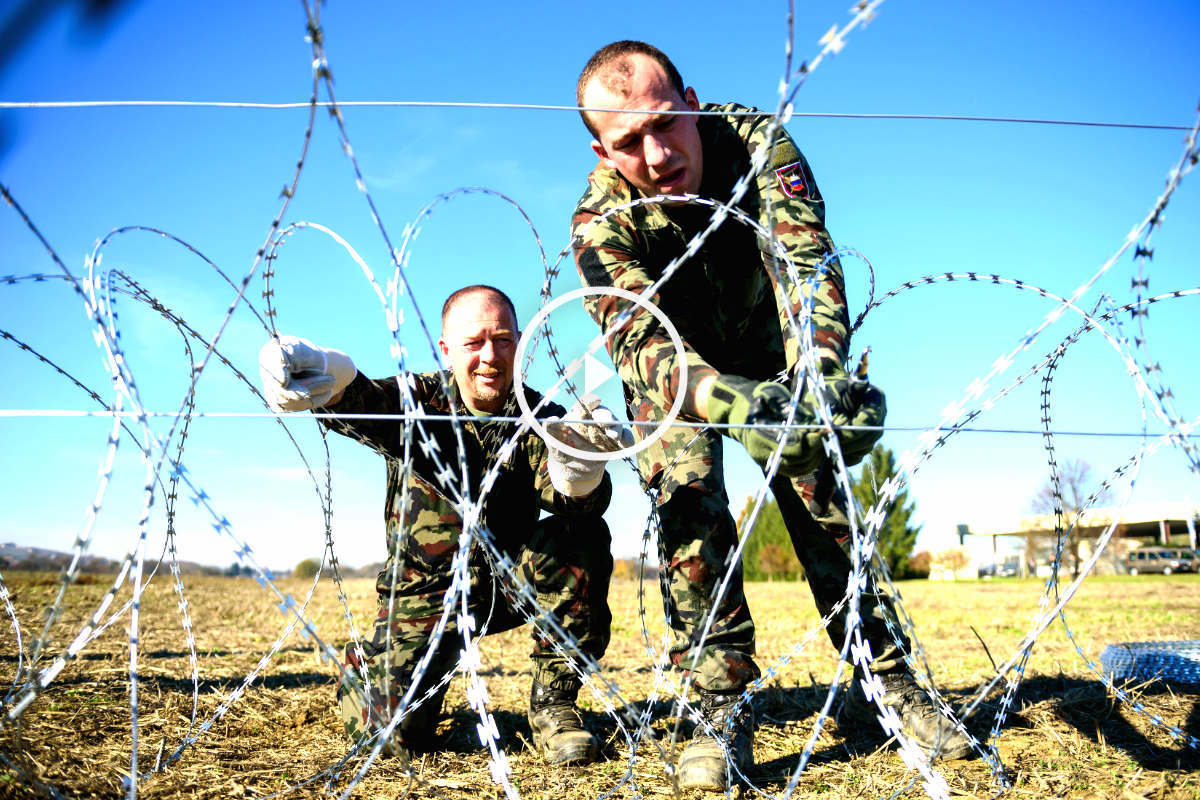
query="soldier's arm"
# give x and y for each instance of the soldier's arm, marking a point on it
(797, 219)
(370, 396)
(645, 357)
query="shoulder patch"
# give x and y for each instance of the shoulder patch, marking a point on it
(796, 182)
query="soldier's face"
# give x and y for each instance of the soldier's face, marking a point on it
(479, 340)
(657, 153)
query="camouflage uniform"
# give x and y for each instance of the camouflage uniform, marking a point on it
(724, 301)
(564, 558)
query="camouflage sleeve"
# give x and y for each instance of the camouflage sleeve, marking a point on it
(797, 219)
(367, 396)
(606, 254)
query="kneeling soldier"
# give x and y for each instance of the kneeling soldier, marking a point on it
(564, 559)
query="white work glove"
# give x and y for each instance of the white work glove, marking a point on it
(573, 475)
(298, 376)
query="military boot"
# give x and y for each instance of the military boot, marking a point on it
(920, 719)
(706, 762)
(416, 733)
(558, 730)
(418, 728)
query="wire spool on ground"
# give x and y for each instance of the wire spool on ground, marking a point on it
(1178, 662)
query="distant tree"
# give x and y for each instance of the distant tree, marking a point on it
(920, 563)
(953, 559)
(1069, 494)
(775, 559)
(367, 570)
(233, 570)
(307, 568)
(40, 563)
(624, 569)
(768, 554)
(631, 569)
(896, 536)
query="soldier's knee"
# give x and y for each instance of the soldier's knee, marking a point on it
(692, 569)
(696, 522)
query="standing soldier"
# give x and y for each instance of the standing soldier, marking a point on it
(727, 304)
(563, 558)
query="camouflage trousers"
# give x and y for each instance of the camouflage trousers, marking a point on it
(699, 535)
(566, 563)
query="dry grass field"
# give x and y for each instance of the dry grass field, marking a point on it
(1065, 737)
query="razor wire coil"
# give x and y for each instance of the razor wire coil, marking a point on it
(167, 476)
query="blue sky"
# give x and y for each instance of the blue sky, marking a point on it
(1045, 204)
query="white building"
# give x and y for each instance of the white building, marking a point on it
(1029, 542)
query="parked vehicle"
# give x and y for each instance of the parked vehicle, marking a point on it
(1161, 560)
(1186, 554)
(1009, 568)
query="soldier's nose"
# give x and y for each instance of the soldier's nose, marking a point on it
(655, 152)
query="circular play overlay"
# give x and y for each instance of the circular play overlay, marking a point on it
(659, 430)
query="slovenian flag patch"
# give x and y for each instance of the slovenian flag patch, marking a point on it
(793, 179)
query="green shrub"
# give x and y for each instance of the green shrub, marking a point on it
(307, 568)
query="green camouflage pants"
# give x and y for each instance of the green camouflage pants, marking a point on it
(566, 563)
(698, 533)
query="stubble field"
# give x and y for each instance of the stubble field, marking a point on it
(1064, 738)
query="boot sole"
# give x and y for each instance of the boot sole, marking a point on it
(860, 714)
(701, 771)
(701, 783)
(590, 756)
(586, 753)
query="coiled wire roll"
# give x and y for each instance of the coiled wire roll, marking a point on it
(1178, 662)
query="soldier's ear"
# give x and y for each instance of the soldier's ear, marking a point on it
(689, 97)
(444, 349)
(602, 154)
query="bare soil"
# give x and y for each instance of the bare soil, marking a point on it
(1065, 737)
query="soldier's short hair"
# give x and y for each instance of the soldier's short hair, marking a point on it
(478, 288)
(613, 59)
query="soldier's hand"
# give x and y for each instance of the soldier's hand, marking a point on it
(604, 434)
(852, 401)
(740, 401)
(863, 404)
(574, 475)
(837, 383)
(298, 376)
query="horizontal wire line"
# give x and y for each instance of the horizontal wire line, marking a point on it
(18, 413)
(68, 104)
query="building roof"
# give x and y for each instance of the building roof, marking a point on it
(1093, 522)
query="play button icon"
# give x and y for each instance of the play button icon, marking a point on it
(594, 373)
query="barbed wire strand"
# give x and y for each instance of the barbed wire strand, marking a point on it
(101, 289)
(16, 105)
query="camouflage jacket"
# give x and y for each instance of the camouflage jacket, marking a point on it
(723, 300)
(432, 519)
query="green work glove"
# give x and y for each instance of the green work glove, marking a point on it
(837, 382)
(852, 401)
(741, 401)
(862, 404)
